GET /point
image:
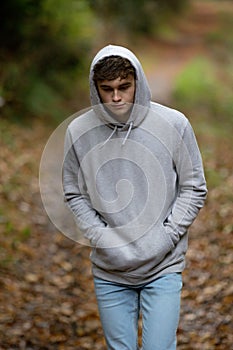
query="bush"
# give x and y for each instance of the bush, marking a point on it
(135, 17)
(43, 56)
(200, 91)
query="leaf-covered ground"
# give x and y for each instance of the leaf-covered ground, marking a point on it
(46, 289)
(47, 299)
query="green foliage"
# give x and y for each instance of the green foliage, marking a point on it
(17, 17)
(46, 44)
(220, 39)
(204, 88)
(134, 16)
(44, 49)
(195, 86)
(199, 88)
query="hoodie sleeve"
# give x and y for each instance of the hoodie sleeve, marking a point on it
(192, 189)
(75, 193)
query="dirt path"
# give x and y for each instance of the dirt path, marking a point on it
(164, 59)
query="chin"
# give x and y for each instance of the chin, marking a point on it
(120, 115)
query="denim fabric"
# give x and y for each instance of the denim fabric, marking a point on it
(120, 306)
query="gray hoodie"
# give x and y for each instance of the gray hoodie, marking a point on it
(134, 188)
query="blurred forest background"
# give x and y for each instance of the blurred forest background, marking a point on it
(46, 46)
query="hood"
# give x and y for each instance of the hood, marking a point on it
(142, 94)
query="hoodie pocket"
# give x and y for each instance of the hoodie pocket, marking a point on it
(147, 252)
(162, 243)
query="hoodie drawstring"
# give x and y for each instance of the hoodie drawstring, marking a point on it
(128, 132)
(110, 136)
(113, 132)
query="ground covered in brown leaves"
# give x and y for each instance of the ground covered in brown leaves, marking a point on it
(47, 299)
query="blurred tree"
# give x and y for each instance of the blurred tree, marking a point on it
(14, 17)
(135, 16)
(43, 48)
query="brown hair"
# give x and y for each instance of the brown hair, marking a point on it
(113, 67)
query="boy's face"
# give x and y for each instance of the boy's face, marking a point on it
(118, 94)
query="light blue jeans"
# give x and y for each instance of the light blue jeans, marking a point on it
(120, 305)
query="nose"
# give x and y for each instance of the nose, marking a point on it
(116, 96)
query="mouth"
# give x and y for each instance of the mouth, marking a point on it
(119, 111)
(118, 106)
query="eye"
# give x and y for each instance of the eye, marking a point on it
(106, 89)
(124, 87)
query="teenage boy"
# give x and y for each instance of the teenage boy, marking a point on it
(134, 180)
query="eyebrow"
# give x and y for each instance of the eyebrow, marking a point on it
(120, 85)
